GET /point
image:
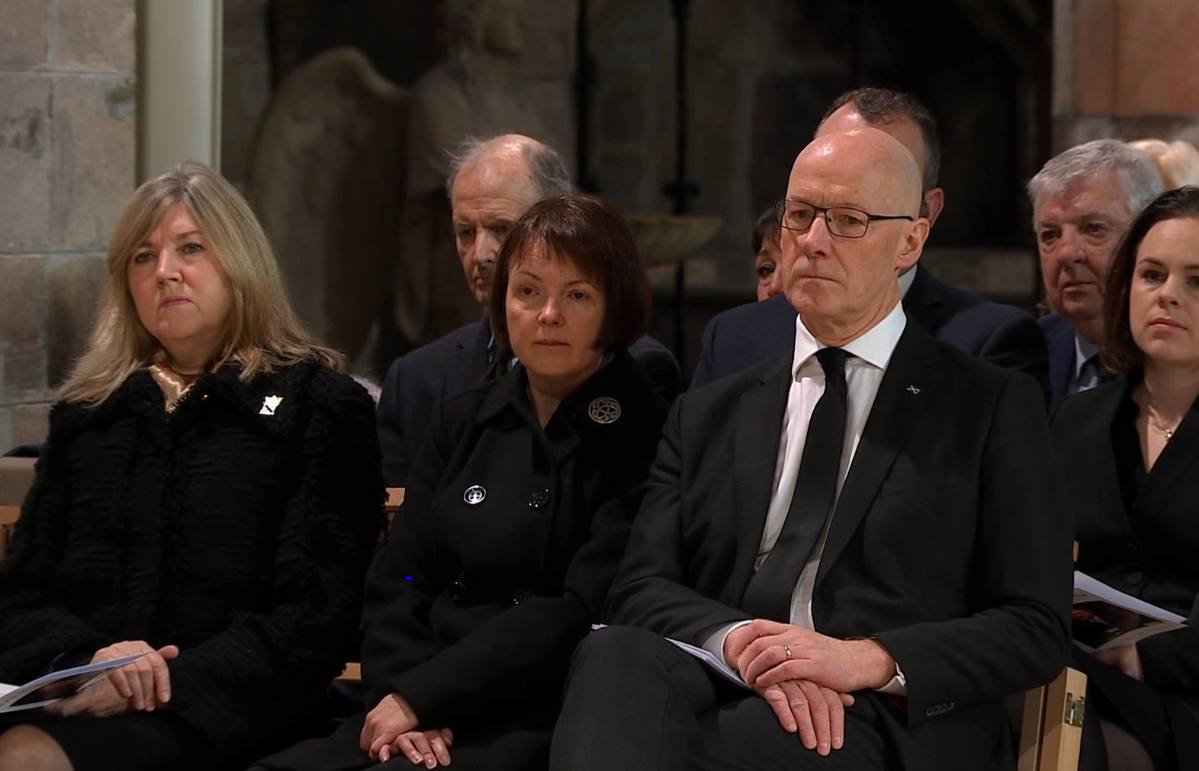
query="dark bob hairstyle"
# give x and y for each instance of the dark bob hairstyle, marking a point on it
(1121, 353)
(591, 235)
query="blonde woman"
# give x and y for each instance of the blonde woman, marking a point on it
(209, 495)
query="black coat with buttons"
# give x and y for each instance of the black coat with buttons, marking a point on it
(1141, 538)
(503, 552)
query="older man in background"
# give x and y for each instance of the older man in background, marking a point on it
(1083, 200)
(491, 184)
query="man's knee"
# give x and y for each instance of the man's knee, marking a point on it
(26, 748)
(623, 650)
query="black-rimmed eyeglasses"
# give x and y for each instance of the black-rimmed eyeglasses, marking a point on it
(842, 221)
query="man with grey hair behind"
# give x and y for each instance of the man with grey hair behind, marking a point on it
(491, 184)
(1083, 200)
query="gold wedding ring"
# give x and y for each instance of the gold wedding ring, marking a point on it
(787, 650)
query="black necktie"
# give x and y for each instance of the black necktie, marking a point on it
(768, 594)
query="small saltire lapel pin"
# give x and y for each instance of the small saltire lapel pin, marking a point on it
(474, 495)
(604, 410)
(270, 404)
(913, 389)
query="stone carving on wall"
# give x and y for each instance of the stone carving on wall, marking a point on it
(472, 92)
(326, 180)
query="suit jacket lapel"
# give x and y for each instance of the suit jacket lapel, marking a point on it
(906, 388)
(1094, 444)
(758, 430)
(1060, 338)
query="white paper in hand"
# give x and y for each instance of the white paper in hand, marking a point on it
(56, 686)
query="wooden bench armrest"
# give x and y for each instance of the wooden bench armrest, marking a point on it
(1051, 726)
(352, 673)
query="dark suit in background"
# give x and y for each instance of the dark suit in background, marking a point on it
(1001, 334)
(1139, 533)
(1059, 337)
(418, 381)
(947, 543)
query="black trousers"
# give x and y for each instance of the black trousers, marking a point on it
(635, 701)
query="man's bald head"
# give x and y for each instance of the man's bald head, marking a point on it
(491, 184)
(842, 285)
(876, 165)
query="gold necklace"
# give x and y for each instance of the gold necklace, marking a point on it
(1167, 432)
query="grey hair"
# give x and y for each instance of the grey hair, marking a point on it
(546, 168)
(1134, 170)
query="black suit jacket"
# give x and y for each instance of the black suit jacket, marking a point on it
(948, 541)
(473, 609)
(417, 381)
(1059, 337)
(1149, 552)
(1001, 334)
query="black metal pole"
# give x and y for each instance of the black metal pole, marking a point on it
(583, 85)
(681, 190)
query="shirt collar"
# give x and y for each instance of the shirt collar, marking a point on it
(1083, 350)
(874, 346)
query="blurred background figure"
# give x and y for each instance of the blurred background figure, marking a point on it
(1177, 161)
(1129, 448)
(768, 265)
(210, 496)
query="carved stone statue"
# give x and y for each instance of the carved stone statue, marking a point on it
(473, 92)
(323, 183)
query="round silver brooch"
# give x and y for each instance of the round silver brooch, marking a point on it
(474, 495)
(604, 410)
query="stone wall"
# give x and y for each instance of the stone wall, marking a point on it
(1127, 69)
(67, 157)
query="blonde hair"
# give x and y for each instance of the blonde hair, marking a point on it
(262, 332)
(1177, 161)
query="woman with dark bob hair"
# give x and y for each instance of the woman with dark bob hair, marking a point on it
(209, 497)
(1131, 452)
(515, 516)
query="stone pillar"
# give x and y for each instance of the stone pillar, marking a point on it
(180, 85)
(1127, 69)
(67, 137)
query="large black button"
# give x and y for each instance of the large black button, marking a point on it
(539, 499)
(457, 590)
(521, 595)
(1135, 577)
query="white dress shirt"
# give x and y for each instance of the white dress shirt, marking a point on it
(864, 369)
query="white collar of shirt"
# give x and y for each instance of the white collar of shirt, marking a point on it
(874, 346)
(1083, 350)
